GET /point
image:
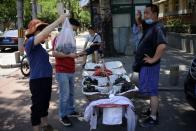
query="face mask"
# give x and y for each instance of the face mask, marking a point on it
(149, 21)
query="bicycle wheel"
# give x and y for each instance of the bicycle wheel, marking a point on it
(24, 66)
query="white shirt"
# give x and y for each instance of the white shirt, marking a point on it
(96, 38)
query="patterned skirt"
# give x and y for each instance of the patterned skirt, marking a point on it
(149, 80)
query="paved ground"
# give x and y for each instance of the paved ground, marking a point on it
(175, 113)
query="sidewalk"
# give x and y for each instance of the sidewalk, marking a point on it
(171, 57)
(15, 97)
(8, 60)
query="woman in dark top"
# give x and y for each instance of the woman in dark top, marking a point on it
(40, 71)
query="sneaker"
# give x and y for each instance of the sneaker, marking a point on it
(149, 122)
(47, 128)
(65, 121)
(147, 112)
(74, 114)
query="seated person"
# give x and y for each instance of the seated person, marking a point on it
(92, 44)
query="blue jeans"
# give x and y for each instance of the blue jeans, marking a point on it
(66, 93)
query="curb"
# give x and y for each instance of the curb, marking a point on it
(171, 89)
(10, 66)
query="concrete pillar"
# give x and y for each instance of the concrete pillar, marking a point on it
(182, 6)
(17, 56)
(191, 47)
(188, 47)
(170, 6)
(194, 46)
(183, 44)
(161, 10)
(174, 75)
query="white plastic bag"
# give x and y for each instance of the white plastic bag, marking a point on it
(65, 40)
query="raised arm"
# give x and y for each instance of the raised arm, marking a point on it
(138, 19)
(45, 32)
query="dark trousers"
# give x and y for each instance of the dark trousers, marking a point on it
(92, 49)
(41, 94)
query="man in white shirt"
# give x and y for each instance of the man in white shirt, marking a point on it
(92, 44)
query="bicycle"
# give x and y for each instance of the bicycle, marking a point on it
(24, 66)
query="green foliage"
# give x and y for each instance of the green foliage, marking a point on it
(8, 11)
(77, 12)
(48, 6)
(27, 12)
(8, 15)
(176, 24)
(84, 17)
(47, 17)
(48, 10)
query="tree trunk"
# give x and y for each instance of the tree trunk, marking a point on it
(34, 9)
(20, 5)
(107, 30)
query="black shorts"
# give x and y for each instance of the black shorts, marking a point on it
(92, 49)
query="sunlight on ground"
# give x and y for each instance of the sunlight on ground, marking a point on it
(185, 107)
(81, 101)
(53, 105)
(167, 72)
(183, 67)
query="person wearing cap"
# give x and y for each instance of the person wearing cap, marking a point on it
(40, 71)
(65, 69)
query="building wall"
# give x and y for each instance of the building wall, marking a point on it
(123, 17)
(184, 9)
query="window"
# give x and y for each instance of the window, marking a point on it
(121, 1)
(142, 1)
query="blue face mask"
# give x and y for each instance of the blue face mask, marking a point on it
(149, 21)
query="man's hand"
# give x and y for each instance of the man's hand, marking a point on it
(148, 59)
(138, 14)
(138, 17)
(158, 54)
(72, 55)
